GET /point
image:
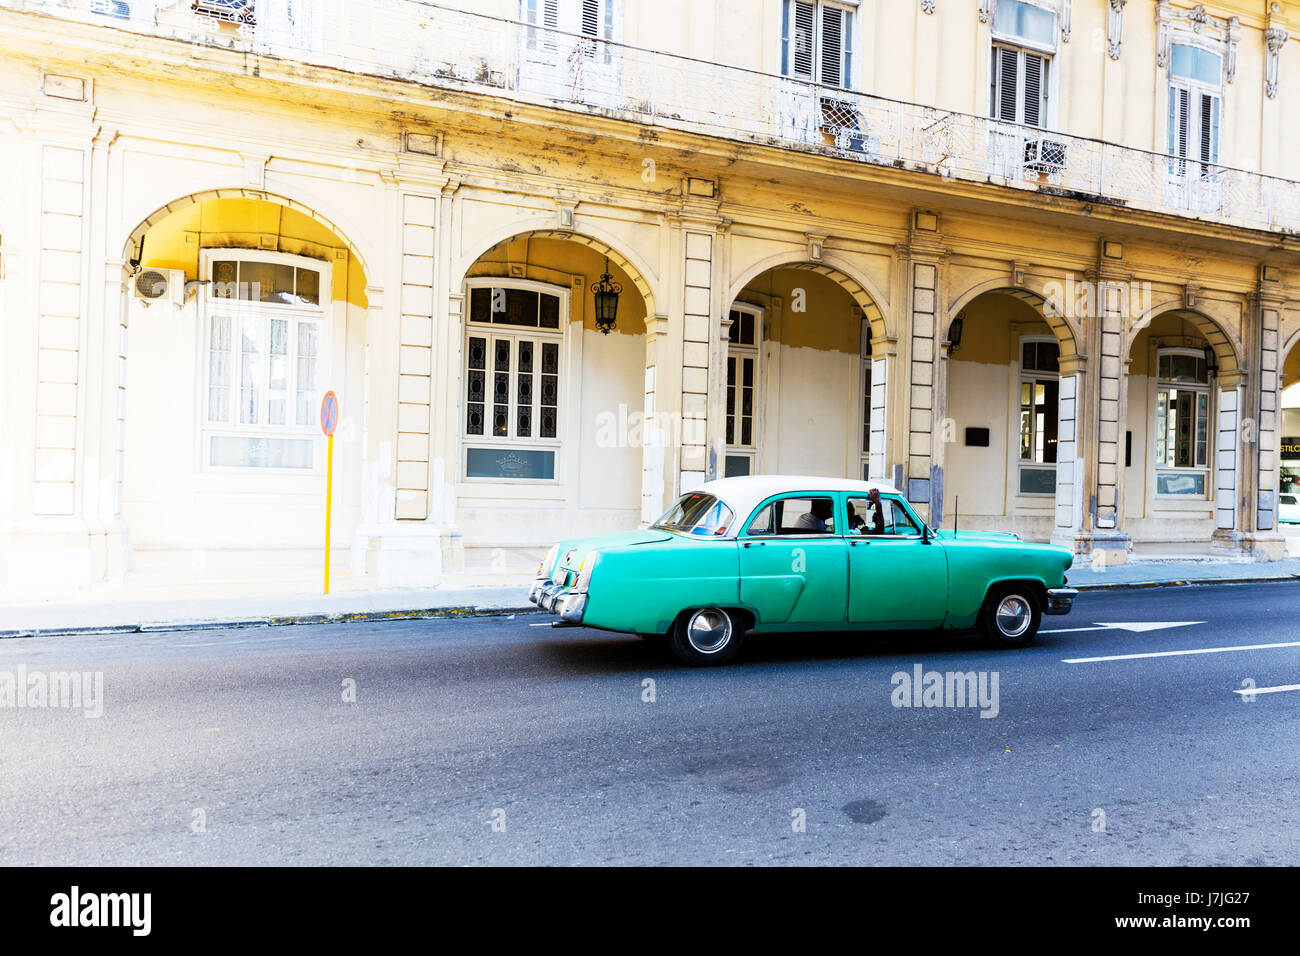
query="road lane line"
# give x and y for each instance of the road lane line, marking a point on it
(1269, 690)
(1198, 650)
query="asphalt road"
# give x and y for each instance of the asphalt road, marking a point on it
(219, 747)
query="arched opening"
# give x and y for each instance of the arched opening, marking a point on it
(242, 314)
(1182, 438)
(1007, 440)
(1288, 507)
(550, 429)
(805, 388)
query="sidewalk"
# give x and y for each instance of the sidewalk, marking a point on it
(224, 612)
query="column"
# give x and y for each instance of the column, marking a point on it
(924, 479)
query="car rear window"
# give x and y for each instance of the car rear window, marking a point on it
(1288, 499)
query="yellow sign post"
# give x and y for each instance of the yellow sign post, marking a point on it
(329, 419)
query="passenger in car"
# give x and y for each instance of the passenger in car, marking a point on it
(857, 525)
(820, 510)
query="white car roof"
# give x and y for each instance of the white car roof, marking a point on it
(742, 494)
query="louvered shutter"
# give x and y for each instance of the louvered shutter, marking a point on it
(1179, 121)
(1005, 74)
(590, 17)
(551, 14)
(832, 51)
(1209, 128)
(800, 39)
(1035, 89)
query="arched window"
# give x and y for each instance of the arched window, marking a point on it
(1040, 389)
(1182, 425)
(744, 341)
(264, 336)
(513, 354)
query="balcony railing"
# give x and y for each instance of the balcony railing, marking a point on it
(438, 46)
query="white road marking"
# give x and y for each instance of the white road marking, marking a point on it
(1269, 690)
(1198, 650)
(1137, 627)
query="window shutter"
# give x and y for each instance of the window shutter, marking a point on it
(590, 18)
(1034, 87)
(551, 14)
(801, 39)
(1183, 122)
(1006, 70)
(1209, 128)
(832, 46)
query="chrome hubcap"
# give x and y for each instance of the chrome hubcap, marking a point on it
(1014, 615)
(709, 630)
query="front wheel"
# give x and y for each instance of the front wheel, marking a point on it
(706, 637)
(1010, 616)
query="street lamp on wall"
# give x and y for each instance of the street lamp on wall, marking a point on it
(954, 332)
(606, 293)
(1211, 362)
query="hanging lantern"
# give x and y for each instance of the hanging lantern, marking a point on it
(606, 292)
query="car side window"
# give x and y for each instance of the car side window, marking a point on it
(862, 515)
(801, 515)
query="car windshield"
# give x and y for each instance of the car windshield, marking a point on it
(696, 513)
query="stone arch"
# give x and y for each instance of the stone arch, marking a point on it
(344, 233)
(1226, 348)
(1067, 336)
(630, 263)
(858, 286)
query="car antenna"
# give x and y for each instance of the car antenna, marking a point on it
(955, 502)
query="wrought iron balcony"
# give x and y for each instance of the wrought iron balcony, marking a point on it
(438, 46)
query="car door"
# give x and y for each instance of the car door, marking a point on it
(792, 572)
(897, 577)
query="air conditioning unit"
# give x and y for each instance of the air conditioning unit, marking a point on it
(1045, 155)
(160, 285)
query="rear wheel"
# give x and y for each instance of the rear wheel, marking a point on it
(706, 637)
(1010, 616)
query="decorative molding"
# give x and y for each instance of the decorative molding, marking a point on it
(1115, 28)
(1274, 39)
(1067, 15)
(1201, 25)
(927, 6)
(816, 247)
(987, 8)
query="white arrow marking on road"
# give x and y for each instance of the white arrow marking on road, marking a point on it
(1199, 650)
(1269, 690)
(1137, 627)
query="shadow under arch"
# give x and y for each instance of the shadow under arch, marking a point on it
(1226, 349)
(183, 202)
(1067, 336)
(859, 287)
(631, 264)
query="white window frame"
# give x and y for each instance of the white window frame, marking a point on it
(266, 311)
(1022, 46)
(1028, 377)
(752, 353)
(849, 49)
(1158, 467)
(864, 396)
(1195, 89)
(492, 332)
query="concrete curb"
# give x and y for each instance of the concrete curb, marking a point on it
(463, 611)
(1136, 585)
(213, 624)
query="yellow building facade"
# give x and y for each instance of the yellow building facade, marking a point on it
(1032, 261)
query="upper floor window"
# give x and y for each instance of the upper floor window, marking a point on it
(587, 18)
(1195, 103)
(1024, 40)
(817, 42)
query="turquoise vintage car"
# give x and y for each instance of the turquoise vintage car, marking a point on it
(771, 553)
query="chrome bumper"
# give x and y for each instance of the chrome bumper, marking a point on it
(549, 596)
(1060, 600)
